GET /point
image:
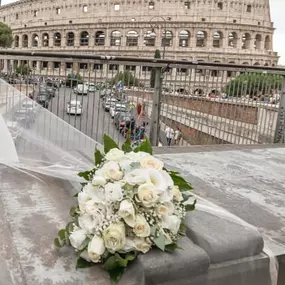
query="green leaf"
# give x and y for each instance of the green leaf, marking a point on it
(190, 207)
(144, 146)
(76, 195)
(116, 274)
(98, 157)
(84, 175)
(172, 247)
(69, 227)
(109, 144)
(110, 263)
(61, 234)
(131, 256)
(82, 263)
(121, 261)
(180, 181)
(73, 211)
(182, 227)
(126, 147)
(160, 242)
(57, 243)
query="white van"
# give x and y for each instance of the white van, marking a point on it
(81, 89)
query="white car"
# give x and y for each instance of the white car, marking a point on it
(110, 102)
(91, 87)
(31, 105)
(118, 108)
(81, 89)
(74, 107)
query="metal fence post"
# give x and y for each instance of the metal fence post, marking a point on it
(155, 114)
(280, 126)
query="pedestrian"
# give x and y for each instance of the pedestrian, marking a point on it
(169, 135)
(177, 136)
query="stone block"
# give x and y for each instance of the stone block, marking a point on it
(171, 267)
(222, 240)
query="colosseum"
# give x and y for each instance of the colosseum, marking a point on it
(227, 31)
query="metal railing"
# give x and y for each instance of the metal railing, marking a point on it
(190, 102)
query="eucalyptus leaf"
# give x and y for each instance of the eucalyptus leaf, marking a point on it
(73, 211)
(61, 234)
(172, 247)
(121, 261)
(116, 273)
(110, 263)
(57, 243)
(160, 242)
(75, 195)
(98, 157)
(82, 263)
(109, 144)
(190, 207)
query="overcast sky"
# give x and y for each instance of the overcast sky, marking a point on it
(278, 17)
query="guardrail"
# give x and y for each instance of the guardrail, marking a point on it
(174, 102)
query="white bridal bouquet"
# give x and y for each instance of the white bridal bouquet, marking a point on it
(129, 204)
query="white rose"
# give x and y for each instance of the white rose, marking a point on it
(141, 227)
(89, 189)
(96, 248)
(177, 195)
(129, 246)
(127, 212)
(142, 245)
(166, 196)
(85, 255)
(151, 162)
(147, 194)
(168, 179)
(137, 177)
(162, 210)
(111, 170)
(83, 198)
(115, 155)
(157, 179)
(89, 223)
(170, 207)
(171, 223)
(115, 237)
(99, 180)
(136, 156)
(77, 237)
(113, 192)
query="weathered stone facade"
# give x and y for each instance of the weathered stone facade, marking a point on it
(233, 31)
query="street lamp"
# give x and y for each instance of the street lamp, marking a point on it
(154, 26)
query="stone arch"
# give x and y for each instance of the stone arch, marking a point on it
(256, 64)
(217, 39)
(267, 43)
(199, 91)
(16, 41)
(167, 37)
(201, 39)
(25, 41)
(231, 73)
(132, 38)
(115, 37)
(246, 40)
(215, 73)
(258, 41)
(100, 38)
(232, 40)
(184, 37)
(35, 40)
(149, 38)
(70, 37)
(84, 38)
(57, 39)
(45, 40)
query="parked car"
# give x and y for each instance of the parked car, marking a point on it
(121, 118)
(43, 100)
(108, 103)
(117, 108)
(81, 89)
(74, 107)
(91, 87)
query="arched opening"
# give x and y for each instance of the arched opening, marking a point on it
(16, 41)
(184, 37)
(99, 38)
(167, 37)
(25, 41)
(149, 39)
(231, 73)
(115, 38)
(45, 40)
(215, 73)
(257, 42)
(84, 38)
(267, 43)
(198, 92)
(257, 64)
(246, 41)
(201, 39)
(217, 39)
(266, 64)
(132, 38)
(35, 40)
(201, 71)
(70, 39)
(57, 39)
(232, 40)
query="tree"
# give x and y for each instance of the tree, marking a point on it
(152, 77)
(6, 37)
(126, 78)
(23, 69)
(253, 84)
(73, 79)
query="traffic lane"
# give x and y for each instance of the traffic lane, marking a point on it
(94, 121)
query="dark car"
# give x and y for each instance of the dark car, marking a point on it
(25, 117)
(121, 119)
(43, 100)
